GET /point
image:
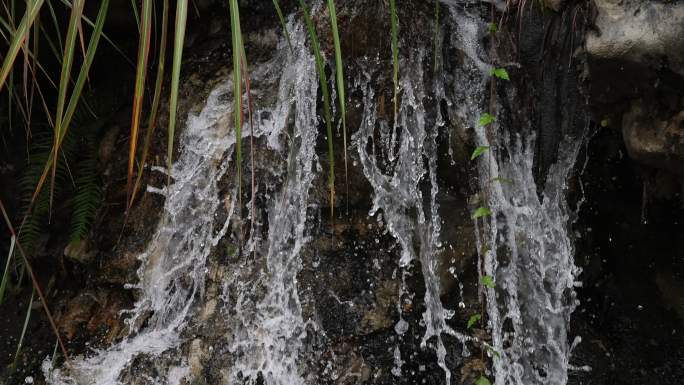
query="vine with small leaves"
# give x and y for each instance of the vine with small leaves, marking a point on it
(486, 120)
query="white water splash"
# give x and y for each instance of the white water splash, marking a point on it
(412, 218)
(529, 251)
(172, 271)
(268, 334)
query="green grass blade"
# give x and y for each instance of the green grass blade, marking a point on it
(18, 40)
(136, 16)
(104, 36)
(236, 35)
(5, 275)
(339, 71)
(56, 24)
(152, 122)
(73, 101)
(320, 68)
(140, 76)
(34, 280)
(282, 22)
(181, 19)
(23, 331)
(394, 25)
(65, 76)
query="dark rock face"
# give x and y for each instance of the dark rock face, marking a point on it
(637, 69)
(653, 138)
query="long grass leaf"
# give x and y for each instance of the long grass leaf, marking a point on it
(339, 70)
(141, 72)
(394, 26)
(5, 275)
(73, 101)
(18, 40)
(320, 68)
(23, 330)
(152, 121)
(65, 76)
(282, 23)
(237, 49)
(34, 280)
(179, 38)
(104, 36)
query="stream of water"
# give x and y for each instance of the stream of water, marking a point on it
(529, 251)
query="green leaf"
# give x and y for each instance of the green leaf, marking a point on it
(486, 119)
(488, 281)
(283, 24)
(179, 38)
(479, 151)
(500, 73)
(5, 275)
(481, 212)
(482, 381)
(339, 71)
(140, 78)
(473, 320)
(605, 122)
(327, 114)
(493, 28)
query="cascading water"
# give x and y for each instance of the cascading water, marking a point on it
(267, 334)
(269, 331)
(530, 255)
(526, 242)
(172, 273)
(396, 165)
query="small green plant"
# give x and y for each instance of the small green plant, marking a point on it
(475, 318)
(500, 73)
(492, 28)
(323, 80)
(481, 212)
(487, 281)
(479, 150)
(486, 119)
(483, 381)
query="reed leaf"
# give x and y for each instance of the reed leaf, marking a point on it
(237, 48)
(181, 19)
(339, 71)
(5, 275)
(152, 122)
(320, 68)
(65, 121)
(18, 40)
(282, 22)
(34, 280)
(65, 76)
(141, 72)
(23, 331)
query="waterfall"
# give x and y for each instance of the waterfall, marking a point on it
(173, 267)
(172, 271)
(530, 256)
(396, 166)
(268, 333)
(526, 241)
(529, 252)
(268, 336)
